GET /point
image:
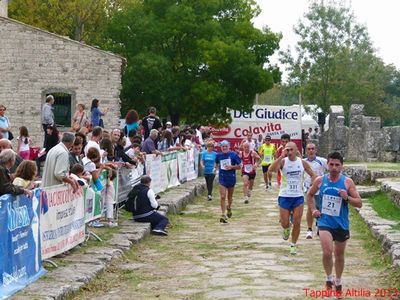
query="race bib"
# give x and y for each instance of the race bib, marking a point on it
(267, 159)
(225, 163)
(331, 205)
(293, 186)
(248, 168)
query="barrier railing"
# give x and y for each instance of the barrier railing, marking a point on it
(54, 220)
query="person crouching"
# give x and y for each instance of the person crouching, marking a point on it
(146, 208)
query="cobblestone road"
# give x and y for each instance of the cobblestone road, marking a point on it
(245, 259)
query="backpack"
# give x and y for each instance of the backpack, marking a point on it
(130, 204)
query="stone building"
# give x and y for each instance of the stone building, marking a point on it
(35, 63)
(363, 140)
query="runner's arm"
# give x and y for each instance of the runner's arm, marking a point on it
(276, 165)
(310, 196)
(309, 170)
(256, 158)
(351, 196)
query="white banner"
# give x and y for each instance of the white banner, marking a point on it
(169, 167)
(182, 166)
(153, 169)
(63, 224)
(191, 164)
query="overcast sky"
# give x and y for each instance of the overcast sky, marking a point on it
(380, 17)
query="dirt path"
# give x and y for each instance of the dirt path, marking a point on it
(245, 259)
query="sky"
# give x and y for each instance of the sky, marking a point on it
(380, 17)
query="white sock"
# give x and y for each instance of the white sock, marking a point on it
(338, 281)
(329, 278)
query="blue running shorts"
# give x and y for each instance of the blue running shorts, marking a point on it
(290, 203)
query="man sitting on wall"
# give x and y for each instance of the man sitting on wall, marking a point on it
(144, 206)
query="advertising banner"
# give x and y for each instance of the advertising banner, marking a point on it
(20, 257)
(169, 167)
(153, 169)
(63, 225)
(182, 166)
(191, 164)
(263, 120)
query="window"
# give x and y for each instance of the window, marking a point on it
(63, 107)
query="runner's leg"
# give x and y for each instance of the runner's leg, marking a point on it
(339, 248)
(230, 197)
(246, 185)
(327, 248)
(222, 193)
(297, 214)
(284, 217)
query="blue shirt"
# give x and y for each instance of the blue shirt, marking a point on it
(208, 159)
(334, 210)
(4, 123)
(132, 126)
(230, 158)
(95, 116)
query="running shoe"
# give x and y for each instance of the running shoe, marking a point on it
(209, 197)
(112, 224)
(286, 234)
(338, 292)
(223, 219)
(293, 250)
(246, 200)
(270, 185)
(309, 235)
(229, 212)
(266, 187)
(329, 285)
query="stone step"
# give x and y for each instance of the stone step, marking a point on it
(392, 186)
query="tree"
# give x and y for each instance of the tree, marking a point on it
(335, 62)
(81, 20)
(193, 59)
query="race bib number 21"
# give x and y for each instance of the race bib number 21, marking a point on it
(331, 205)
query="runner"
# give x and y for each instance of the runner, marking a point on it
(285, 138)
(227, 162)
(207, 163)
(268, 152)
(249, 139)
(291, 197)
(337, 192)
(319, 166)
(250, 163)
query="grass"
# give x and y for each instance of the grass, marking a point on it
(377, 166)
(379, 259)
(384, 207)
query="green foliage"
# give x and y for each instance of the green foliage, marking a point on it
(384, 207)
(81, 20)
(193, 58)
(335, 62)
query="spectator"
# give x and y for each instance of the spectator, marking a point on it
(47, 114)
(6, 144)
(107, 146)
(25, 175)
(148, 145)
(167, 142)
(132, 122)
(315, 135)
(119, 153)
(199, 135)
(96, 114)
(4, 123)
(7, 160)
(94, 141)
(82, 137)
(175, 135)
(168, 126)
(106, 134)
(80, 119)
(23, 143)
(56, 166)
(51, 140)
(132, 138)
(151, 122)
(93, 167)
(146, 208)
(75, 153)
(77, 173)
(108, 196)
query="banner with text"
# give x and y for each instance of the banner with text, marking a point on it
(153, 169)
(263, 120)
(182, 166)
(63, 225)
(20, 257)
(169, 170)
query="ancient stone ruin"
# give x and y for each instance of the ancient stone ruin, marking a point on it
(363, 140)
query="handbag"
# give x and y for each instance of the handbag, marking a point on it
(76, 126)
(10, 136)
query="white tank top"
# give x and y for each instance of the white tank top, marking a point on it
(292, 175)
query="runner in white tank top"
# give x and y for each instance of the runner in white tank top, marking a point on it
(291, 196)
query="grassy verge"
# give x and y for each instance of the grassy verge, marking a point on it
(377, 166)
(379, 259)
(384, 207)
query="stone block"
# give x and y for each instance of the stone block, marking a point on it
(356, 109)
(391, 138)
(359, 173)
(371, 123)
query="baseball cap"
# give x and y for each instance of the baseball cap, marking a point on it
(224, 143)
(168, 123)
(267, 137)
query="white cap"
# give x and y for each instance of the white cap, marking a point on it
(168, 123)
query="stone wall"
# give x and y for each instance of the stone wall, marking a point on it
(34, 62)
(363, 140)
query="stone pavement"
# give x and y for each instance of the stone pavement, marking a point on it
(244, 259)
